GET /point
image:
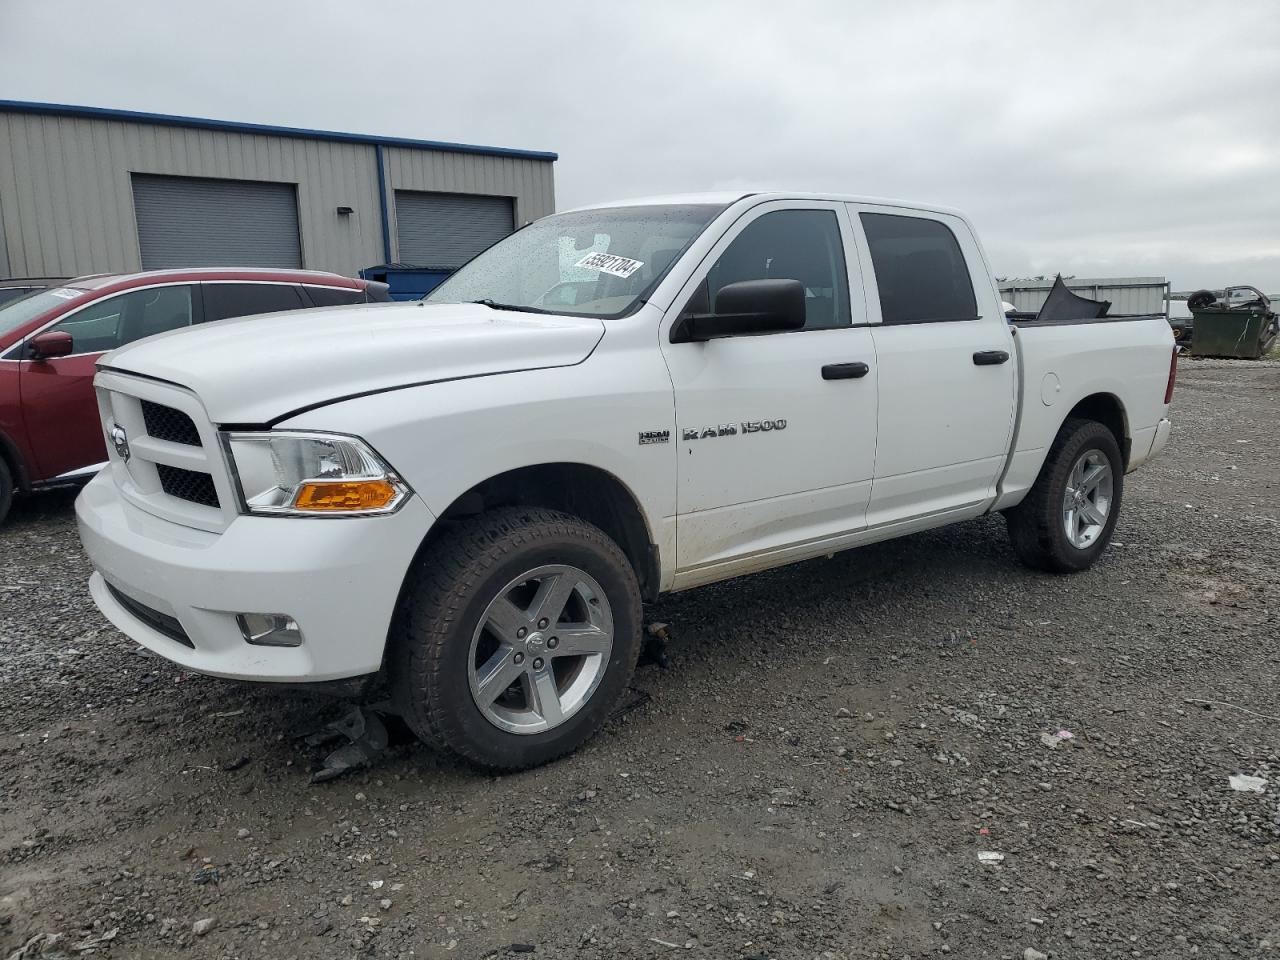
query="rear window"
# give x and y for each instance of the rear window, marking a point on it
(225, 300)
(920, 271)
(334, 296)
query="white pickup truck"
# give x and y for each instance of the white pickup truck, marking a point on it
(469, 498)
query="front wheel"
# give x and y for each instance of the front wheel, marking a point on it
(1067, 518)
(518, 634)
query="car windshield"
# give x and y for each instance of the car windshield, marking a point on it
(17, 312)
(598, 263)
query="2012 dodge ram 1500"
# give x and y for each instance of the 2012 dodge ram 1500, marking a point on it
(470, 496)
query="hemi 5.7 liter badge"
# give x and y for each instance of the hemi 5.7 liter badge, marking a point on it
(654, 436)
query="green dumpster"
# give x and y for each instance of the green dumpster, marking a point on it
(1240, 323)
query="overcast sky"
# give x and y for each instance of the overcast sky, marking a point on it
(1092, 138)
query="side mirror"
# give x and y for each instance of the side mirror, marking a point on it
(747, 308)
(50, 344)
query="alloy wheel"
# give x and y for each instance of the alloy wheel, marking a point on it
(1086, 503)
(540, 649)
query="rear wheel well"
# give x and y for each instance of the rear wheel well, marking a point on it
(1106, 409)
(592, 494)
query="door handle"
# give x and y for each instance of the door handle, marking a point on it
(845, 371)
(990, 358)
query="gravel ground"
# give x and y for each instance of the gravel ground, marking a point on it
(823, 770)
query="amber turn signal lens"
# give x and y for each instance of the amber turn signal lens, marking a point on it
(344, 495)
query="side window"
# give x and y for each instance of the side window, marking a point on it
(334, 296)
(131, 316)
(799, 245)
(921, 273)
(225, 300)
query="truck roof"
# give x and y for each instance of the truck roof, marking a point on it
(726, 197)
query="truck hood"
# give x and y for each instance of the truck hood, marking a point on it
(254, 370)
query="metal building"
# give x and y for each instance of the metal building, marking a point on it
(88, 190)
(1127, 294)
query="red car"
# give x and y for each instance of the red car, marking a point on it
(50, 341)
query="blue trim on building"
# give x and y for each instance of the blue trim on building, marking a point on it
(382, 203)
(229, 126)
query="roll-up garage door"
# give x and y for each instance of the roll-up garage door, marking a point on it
(448, 229)
(188, 222)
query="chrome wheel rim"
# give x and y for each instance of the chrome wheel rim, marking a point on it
(1086, 504)
(541, 649)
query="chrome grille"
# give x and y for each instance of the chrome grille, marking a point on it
(166, 423)
(166, 458)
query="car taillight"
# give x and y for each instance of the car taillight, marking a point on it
(1173, 376)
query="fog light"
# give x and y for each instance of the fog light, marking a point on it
(269, 629)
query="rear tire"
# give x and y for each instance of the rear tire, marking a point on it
(517, 635)
(6, 489)
(1067, 518)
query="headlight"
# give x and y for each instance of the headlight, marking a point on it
(312, 474)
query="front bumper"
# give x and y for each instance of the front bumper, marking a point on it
(339, 578)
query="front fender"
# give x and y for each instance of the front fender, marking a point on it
(446, 438)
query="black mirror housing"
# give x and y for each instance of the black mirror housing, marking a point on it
(747, 308)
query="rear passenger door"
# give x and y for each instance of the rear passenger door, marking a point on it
(946, 405)
(224, 300)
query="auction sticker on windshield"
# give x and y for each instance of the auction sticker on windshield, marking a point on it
(610, 263)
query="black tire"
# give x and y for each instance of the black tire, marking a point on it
(448, 591)
(6, 489)
(1201, 299)
(1036, 526)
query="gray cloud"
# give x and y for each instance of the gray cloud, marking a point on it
(1092, 137)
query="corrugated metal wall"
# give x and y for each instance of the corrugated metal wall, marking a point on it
(1127, 294)
(66, 204)
(4, 250)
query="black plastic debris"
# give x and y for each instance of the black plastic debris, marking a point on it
(656, 638)
(1062, 304)
(365, 730)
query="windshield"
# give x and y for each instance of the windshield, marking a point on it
(17, 312)
(598, 263)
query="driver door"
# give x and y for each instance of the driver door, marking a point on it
(776, 440)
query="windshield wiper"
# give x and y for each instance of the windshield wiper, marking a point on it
(494, 305)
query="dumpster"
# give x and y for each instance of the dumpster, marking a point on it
(1239, 322)
(407, 282)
